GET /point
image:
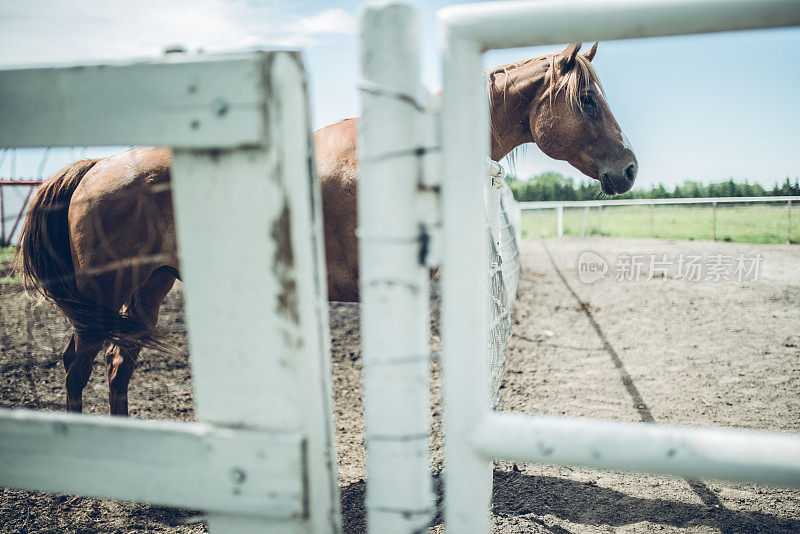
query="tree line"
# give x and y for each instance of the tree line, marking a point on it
(555, 186)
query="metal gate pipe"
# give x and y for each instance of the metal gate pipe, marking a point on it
(465, 375)
(719, 454)
(530, 23)
(467, 32)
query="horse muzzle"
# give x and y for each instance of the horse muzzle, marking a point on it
(619, 179)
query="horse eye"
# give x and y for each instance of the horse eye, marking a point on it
(589, 106)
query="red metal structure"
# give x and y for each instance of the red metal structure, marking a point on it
(32, 183)
(13, 181)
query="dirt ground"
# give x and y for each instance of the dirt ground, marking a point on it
(667, 350)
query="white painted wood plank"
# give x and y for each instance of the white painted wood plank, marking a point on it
(256, 311)
(292, 123)
(189, 465)
(394, 283)
(239, 289)
(186, 102)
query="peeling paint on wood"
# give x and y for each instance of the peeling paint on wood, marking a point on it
(283, 267)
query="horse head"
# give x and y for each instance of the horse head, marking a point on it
(567, 116)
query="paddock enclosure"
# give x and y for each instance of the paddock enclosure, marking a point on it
(588, 371)
(742, 373)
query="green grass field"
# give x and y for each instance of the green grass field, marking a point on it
(741, 223)
(6, 254)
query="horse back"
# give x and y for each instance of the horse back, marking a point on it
(337, 167)
(121, 223)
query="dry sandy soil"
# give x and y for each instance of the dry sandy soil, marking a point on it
(663, 350)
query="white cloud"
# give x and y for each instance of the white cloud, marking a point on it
(302, 32)
(330, 21)
(47, 31)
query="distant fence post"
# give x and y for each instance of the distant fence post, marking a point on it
(652, 219)
(600, 223)
(541, 224)
(714, 220)
(560, 220)
(585, 216)
(789, 222)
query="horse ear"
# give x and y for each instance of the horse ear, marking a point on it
(589, 54)
(567, 58)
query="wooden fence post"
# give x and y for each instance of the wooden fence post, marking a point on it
(560, 221)
(714, 221)
(652, 220)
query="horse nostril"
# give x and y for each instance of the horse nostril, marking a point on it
(630, 172)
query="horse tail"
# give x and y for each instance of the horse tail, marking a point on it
(44, 259)
(44, 262)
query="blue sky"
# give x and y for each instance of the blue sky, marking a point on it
(702, 107)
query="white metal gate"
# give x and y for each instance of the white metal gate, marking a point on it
(249, 226)
(474, 435)
(395, 152)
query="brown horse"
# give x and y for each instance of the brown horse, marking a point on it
(99, 238)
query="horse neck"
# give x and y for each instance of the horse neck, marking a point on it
(512, 94)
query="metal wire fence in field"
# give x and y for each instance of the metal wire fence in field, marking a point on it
(776, 220)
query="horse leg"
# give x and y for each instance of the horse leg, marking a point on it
(121, 359)
(120, 362)
(68, 356)
(78, 358)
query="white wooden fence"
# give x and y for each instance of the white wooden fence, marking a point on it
(558, 208)
(260, 456)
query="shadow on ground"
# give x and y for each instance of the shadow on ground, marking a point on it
(518, 495)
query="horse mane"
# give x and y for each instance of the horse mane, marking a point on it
(579, 79)
(575, 82)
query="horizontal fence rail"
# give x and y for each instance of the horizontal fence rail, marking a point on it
(486, 26)
(184, 101)
(554, 204)
(160, 462)
(473, 435)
